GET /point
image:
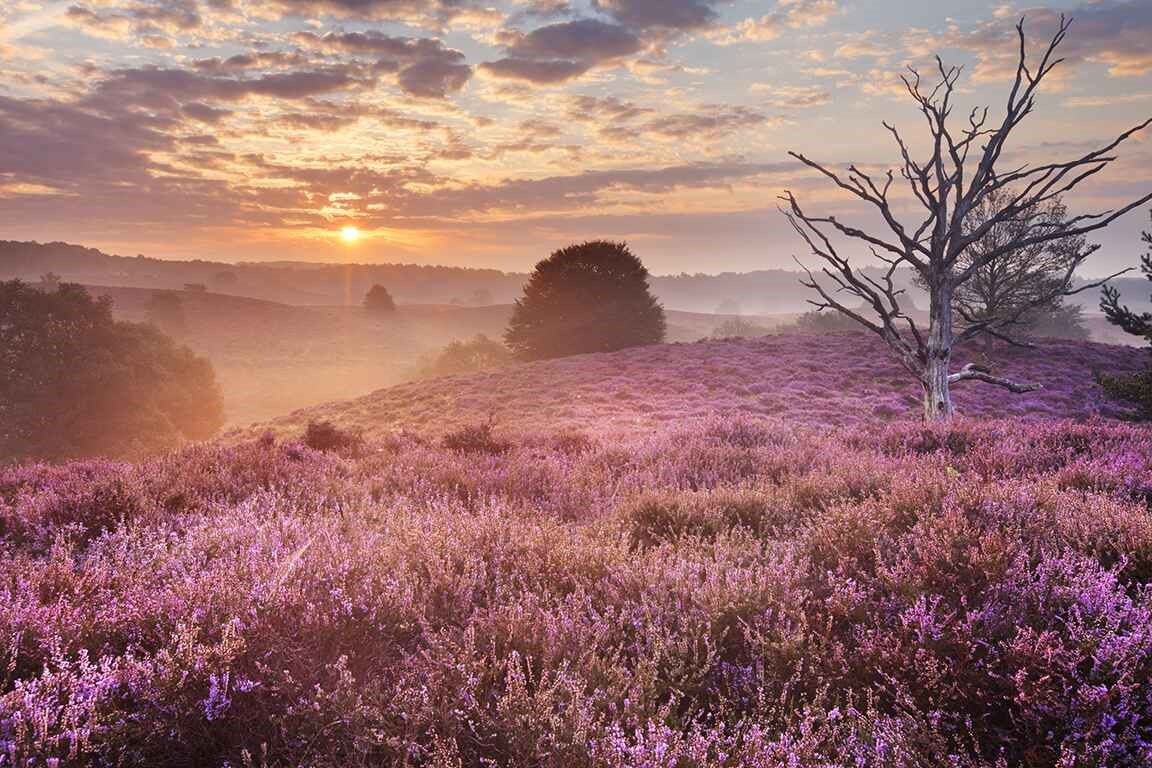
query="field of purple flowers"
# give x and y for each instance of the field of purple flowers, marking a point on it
(729, 591)
(840, 379)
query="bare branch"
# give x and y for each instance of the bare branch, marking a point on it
(973, 372)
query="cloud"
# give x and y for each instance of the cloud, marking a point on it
(587, 40)
(378, 10)
(679, 15)
(153, 23)
(789, 14)
(434, 78)
(624, 122)
(711, 122)
(605, 108)
(564, 51)
(424, 66)
(159, 87)
(204, 113)
(537, 72)
(798, 97)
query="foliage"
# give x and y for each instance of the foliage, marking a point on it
(166, 312)
(475, 438)
(824, 322)
(378, 300)
(459, 357)
(74, 382)
(591, 297)
(326, 436)
(727, 593)
(1059, 321)
(1022, 290)
(1135, 389)
(739, 328)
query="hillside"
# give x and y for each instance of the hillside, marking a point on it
(713, 554)
(837, 379)
(726, 592)
(272, 358)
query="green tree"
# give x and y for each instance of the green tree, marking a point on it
(379, 300)
(1135, 389)
(591, 297)
(74, 382)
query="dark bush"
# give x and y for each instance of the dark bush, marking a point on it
(326, 436)
(475, 438)
(378, 300)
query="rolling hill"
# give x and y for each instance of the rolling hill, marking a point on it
(717, 554)
(838, 379)
(272, 358)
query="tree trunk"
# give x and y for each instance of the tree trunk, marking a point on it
(937, 367)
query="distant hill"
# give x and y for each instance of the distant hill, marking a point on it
(773, 291)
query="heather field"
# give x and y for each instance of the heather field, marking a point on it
(730, 588)
(834, 379)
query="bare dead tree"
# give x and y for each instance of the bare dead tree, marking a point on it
(959, 174)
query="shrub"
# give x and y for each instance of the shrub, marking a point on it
(460, 357)
(738, 327)
(1136, 390)
(475, 438)
(326, 436)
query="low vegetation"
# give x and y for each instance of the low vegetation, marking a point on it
(726, 593)
(460, 357)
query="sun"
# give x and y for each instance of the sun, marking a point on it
(350, 234)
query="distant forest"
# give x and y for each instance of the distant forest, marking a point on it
(773, 291)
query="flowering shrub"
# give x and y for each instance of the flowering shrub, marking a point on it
(727, 592)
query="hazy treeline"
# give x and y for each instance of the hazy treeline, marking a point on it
(758, 292)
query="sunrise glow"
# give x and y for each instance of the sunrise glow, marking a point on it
(350, 234)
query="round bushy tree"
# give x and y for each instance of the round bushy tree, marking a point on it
(591, 297)
(74, 382)
(379, 300)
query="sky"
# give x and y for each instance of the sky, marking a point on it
(488, 133)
